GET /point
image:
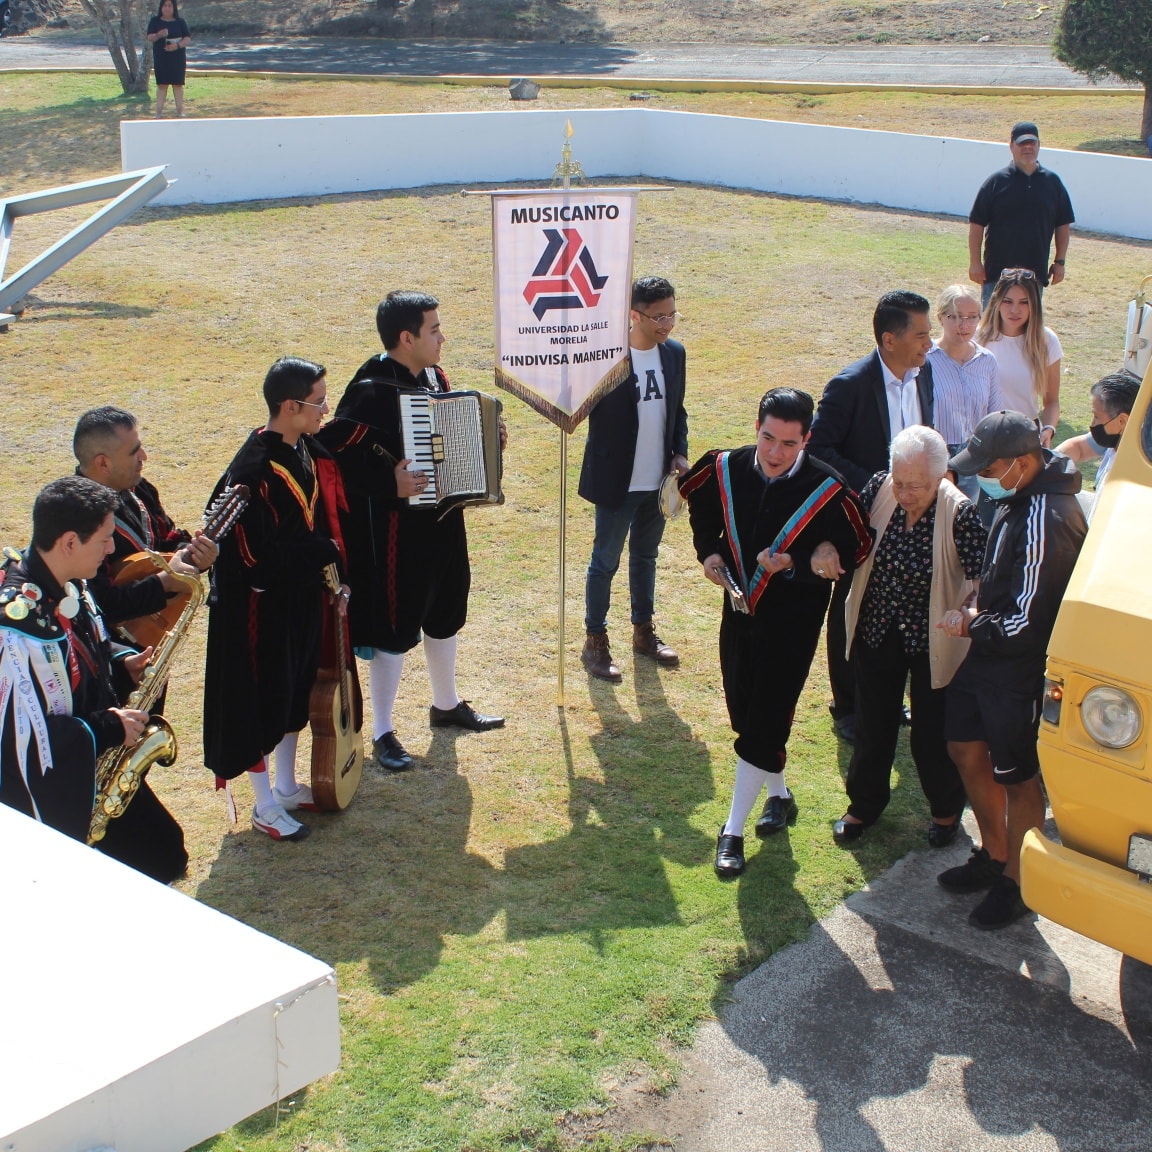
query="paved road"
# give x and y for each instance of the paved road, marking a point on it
(974, 64)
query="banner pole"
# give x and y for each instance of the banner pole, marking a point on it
(565, 169)
(561, 569)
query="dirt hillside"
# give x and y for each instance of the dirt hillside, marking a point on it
(636, 21)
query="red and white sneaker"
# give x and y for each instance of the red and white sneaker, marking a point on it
(275, 822)
(299, 801)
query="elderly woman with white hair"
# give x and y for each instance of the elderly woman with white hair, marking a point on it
(926, 560)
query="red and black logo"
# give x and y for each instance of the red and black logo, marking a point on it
(565, 275)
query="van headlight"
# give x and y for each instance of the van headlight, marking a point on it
(1112, 717)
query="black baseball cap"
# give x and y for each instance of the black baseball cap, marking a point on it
(1025, 130)
(999, 436)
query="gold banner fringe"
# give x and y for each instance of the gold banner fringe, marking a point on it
(568, 422)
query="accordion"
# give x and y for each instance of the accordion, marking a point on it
(454, 439)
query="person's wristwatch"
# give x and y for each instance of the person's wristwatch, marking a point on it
(1047, 428)
(1060, 262)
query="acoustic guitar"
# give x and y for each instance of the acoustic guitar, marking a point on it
(335, 712)
(143, 631)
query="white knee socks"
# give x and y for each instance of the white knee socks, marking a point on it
(749, 781)
(262, 789)
(384, 671)
(441, 657)
(285, 759)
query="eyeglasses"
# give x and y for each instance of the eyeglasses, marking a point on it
(1017, 274)
(667, 320)
(323, 405)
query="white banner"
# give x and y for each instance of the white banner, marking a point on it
(563, 272)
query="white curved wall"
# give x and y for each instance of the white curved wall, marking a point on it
(217, 161)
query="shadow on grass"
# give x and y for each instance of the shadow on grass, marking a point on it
(39, 310)
(378, 885)
(46, 147)
(608, 872)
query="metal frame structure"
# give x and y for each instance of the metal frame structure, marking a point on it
(130, 190)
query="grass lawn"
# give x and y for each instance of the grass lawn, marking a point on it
(530, 918)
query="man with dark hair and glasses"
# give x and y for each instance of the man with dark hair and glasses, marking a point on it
(862, 409)
(637, 435)
(1018, 212)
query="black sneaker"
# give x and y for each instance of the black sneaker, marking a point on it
(980, 872)
(1001, 907)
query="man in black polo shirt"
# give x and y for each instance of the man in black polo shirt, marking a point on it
(1017, 212)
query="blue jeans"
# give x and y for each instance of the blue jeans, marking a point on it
(969, 485)
(640, 520)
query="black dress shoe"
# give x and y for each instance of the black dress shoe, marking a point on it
(389, 753)
(463, 716)
(846, 832)
(941, 835)
(845, 727)
(779, 812)
(729, 855)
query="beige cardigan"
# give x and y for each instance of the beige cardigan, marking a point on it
(949, 589)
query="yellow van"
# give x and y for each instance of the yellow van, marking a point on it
(1097, 715)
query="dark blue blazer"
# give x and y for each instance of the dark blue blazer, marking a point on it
(614, 424)
(851, 430)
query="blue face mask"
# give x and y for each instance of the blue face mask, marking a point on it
(993, 489)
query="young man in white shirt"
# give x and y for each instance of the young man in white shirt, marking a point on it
(637, 435)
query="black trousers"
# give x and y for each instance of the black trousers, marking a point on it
(881, 674)
(147, 838)
(840, 674)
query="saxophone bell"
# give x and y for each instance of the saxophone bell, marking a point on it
(157, 745)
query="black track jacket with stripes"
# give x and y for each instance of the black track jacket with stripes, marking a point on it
(1032, 549)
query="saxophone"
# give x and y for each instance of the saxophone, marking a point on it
(119, 771)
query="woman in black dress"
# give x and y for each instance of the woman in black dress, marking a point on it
(169, 37)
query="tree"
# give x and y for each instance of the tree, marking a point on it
(122, 23)
(1098, 37)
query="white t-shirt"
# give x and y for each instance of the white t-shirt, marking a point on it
(1014, 374)
(651, 408)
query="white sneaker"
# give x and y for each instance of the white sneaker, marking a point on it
(275, 822)
(300, 800)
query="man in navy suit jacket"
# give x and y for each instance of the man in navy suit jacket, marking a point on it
(861, 410)
(636, 435)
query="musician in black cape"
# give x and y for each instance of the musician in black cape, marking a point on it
(109, 450)
(408, 566)
(62, 682)
(265, 623)
(780, 527)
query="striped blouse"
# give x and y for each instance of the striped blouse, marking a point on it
(963, 394)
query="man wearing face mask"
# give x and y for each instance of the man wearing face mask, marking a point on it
(1112, 399)
(993, 702)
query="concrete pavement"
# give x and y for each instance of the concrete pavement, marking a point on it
(975, 65)
(895, 1026)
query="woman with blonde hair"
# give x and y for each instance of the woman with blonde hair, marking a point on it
(1028, 355)
(965, 377)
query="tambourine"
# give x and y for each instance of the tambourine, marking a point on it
(671, 502)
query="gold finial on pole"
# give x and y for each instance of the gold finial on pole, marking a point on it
(568, 169)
